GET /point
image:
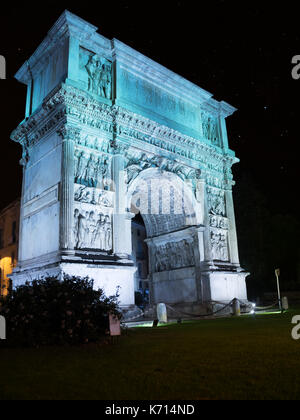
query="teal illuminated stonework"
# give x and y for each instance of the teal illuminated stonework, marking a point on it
(109, 133)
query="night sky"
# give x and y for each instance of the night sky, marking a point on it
(239, 51)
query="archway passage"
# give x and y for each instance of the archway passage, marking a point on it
(165, 205)
(141, 261)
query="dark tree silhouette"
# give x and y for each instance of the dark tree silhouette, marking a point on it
(266, 240)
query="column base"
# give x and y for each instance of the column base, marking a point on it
(111, 277)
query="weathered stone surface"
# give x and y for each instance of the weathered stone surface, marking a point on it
(99, 146)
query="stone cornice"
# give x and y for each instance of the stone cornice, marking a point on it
(73, 106)
(70, 25)
(226, 110)
(67, 25)
(222, 109)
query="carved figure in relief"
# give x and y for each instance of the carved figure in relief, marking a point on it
(205, 127)
(98, 172)
(79, 164)
(82, 195)
(89, 233)
(214, 134)
(99, 76)
(141, 162)
(104, 200)
(82, 167)
(224, 248)
(215, 246)
(106, 172)
(91, 69)
(216, 203)
(90, 230)
(108, 233)
(90, 174)
(107, 81)
(92, 171)
(174, 255)
(102, 232)
(219, 246)
(222, 224)
(81, 231)
(213, 221)
(76, 227)
(98, 234)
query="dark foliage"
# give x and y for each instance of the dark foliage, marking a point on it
(49, 311)
(266, 241)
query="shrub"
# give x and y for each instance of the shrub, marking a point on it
(50, 311)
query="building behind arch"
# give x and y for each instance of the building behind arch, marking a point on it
(9, 243)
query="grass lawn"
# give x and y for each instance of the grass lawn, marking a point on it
(242, 358)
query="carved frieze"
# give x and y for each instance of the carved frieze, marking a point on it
(210, 129)
(93, 170)
(95, 143)
(120, 125)
(213, 181)
(218, 222)
(92, 227)
(98, 72)
(216, 202)
(95, 196)
(219, 245)
(139, 161)
(174, 255)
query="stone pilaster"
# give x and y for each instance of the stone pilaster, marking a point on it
(232, 234)
(73, 59)
(200, 193)
(29, 99)
(20, 251)
(206, 234)
(120, 220)
(223, 132)
(151, 261)
(68, 135)
(199, 257)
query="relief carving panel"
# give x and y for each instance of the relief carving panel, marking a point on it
(219, 245)
(92, 228)
(174, 255)
(97, 73)
(93, 170)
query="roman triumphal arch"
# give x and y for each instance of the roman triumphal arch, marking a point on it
(108, 134)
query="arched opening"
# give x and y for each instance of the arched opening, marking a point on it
(166, 215)
(141, 261)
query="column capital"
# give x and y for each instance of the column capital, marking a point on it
(68, 132)
(119, 149)
(228, 185)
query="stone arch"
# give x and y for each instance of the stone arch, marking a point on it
(171, 215)
(165, 201)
